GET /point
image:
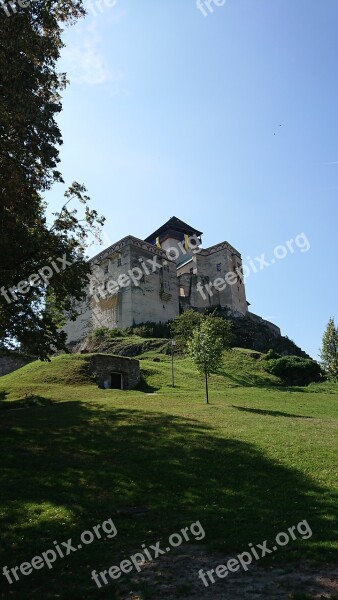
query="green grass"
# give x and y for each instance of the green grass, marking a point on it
(257, 460)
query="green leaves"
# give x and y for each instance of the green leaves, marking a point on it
(329, 351)
(205, 348)
(185, 324)
(30, 100)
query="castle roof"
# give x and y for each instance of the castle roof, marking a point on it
(172, 227)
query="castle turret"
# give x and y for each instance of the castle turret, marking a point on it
(177, 236)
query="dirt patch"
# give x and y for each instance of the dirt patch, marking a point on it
(175, 576)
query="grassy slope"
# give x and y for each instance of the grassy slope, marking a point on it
(255, 461)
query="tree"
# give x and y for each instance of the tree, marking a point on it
(329, 351)
(205, 349)
(30, 99)
(221, 328)
(184, 325)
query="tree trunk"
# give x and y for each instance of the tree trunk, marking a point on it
(206, 387)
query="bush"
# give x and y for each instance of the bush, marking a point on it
(272, 354)
(293, 370)
(184, 326)
(104, 333)
(149, 329)
(100, 333)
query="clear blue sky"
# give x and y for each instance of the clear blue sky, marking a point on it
(173, 113)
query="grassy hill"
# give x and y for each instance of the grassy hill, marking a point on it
(257, 460)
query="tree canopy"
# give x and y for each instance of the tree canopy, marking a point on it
(329, 351)
(185, 324)
(30, 100)
(205, 348)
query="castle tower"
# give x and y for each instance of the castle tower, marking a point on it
(177, 236)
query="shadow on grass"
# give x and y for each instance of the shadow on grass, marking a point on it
(3, 395)
(29, 401)
(296, 388)
(252, 380)
(144, 386)
(71, 466)
(270, 413)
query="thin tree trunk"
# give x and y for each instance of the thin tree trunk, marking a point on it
(206, 387)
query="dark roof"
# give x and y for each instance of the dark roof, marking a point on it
(174, 224)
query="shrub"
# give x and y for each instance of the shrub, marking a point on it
(104, 333)
(114, 333)
(294, 370)
(184, 326)
(100, 333)
(272, 354)
(149, 329)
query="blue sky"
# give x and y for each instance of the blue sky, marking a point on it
(170, 113)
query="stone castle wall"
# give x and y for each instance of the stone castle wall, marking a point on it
(159, 293)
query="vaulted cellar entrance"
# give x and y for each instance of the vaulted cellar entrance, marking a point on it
(116, 381)
(115, 372)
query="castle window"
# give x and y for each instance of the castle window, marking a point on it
(106, 269)
(119, 262)
(219, 267)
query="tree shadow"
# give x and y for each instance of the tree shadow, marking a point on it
(73, 465)
(29, 401)
(144, 386)
(270, 413)
(253, 380)
(295, 388)
(3, 395)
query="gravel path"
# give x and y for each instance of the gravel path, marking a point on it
(176, 576)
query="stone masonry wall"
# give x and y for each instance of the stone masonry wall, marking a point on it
(102, 365)
(8, 364)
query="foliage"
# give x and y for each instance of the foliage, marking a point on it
(185, 324)
(221, 329)
(30, 100)
(150, 329)
(271, 354)
(205, 349)
(104, 333)
(294, 370)
(329, 351)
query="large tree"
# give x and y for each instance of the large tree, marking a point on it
(30, 99)
(329, 351)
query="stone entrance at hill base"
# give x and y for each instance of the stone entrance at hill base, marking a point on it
(115, 372)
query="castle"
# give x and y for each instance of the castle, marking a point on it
(134, 280)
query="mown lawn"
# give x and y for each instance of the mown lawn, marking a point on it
(257, 460)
